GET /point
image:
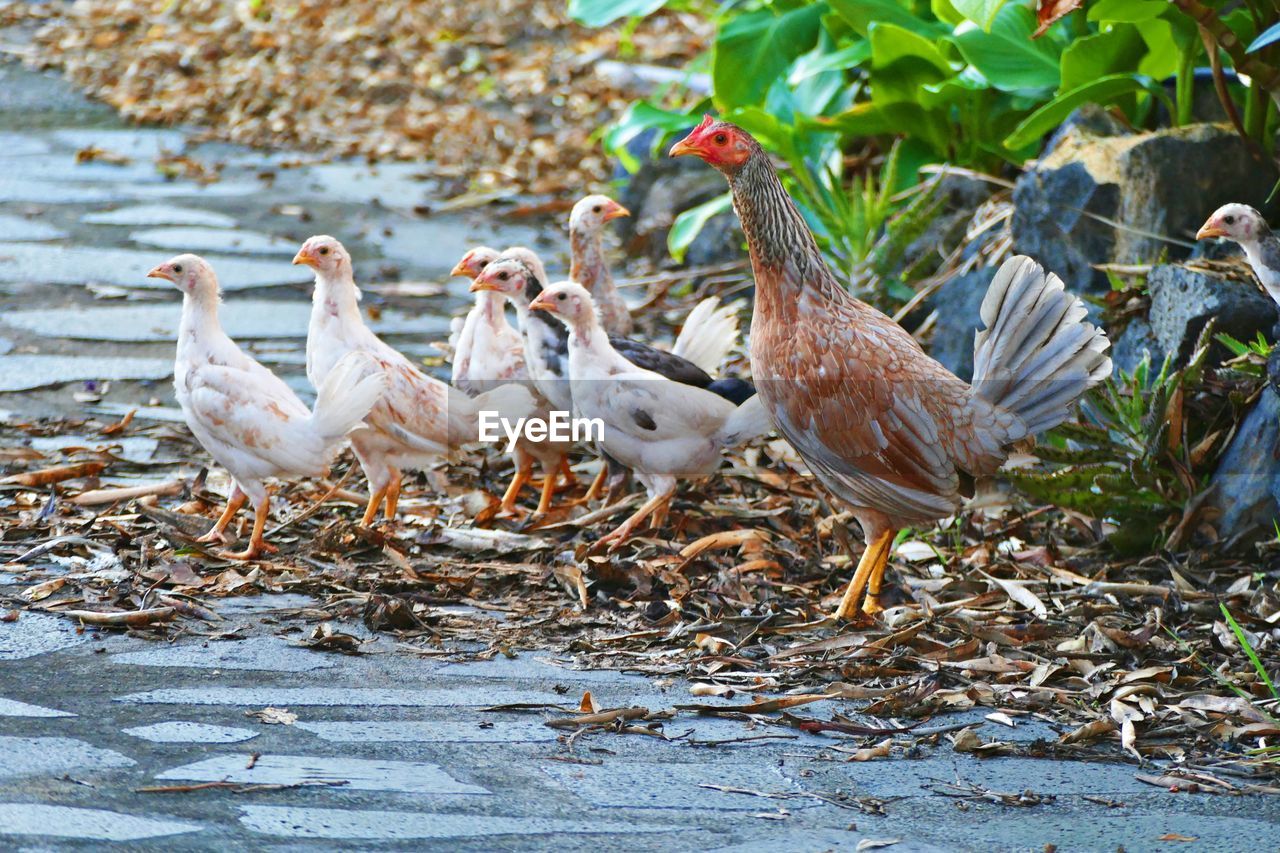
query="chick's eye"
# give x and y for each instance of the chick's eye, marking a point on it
(504, 275)
(324, 251)
(177, 268)
(1230, 220)
(595, 209)
(560, 297)
(721, 138)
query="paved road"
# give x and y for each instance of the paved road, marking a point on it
(87, 717)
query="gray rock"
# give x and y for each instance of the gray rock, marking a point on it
(662, 190)
(957, 304)
(1183, 300)
(1163, 182)
(1246, 486)
(1133, 344)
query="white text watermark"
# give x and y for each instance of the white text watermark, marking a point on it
(560, 426)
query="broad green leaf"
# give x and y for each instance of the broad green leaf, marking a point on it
(1052, 114)
(1111, 52)
(840, 60)
(946, 12)
(690, 223)
(861, 14)
(981, 12)
(889, 43)
(1127, 11)
(1007, 55)
(597, 13)
(754, 49)
(640, 117)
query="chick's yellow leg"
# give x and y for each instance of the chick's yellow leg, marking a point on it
(597, 485)
(371, 510)
(873, 562)
(628, 527)
(524, 468)
(257, 546)
(393, 493)
(567, 477)
(218, 532)
(548, 492)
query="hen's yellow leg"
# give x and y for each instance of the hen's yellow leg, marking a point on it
(872, 565)
(548, 491)
(218, 532)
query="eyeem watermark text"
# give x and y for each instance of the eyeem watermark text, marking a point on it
(561, 426)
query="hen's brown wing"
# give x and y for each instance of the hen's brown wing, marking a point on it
(876, 419)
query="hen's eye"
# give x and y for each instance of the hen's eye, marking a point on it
(504, 275)
(595, 209)
(177, 267)
(1230, 220)
(560, 297)
(721, 138)
(324, 251)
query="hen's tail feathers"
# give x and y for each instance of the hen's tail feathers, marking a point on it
(709, 334)
(346, 396)
(1037, 353)
(749, 420)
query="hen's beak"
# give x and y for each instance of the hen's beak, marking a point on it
(542, 303)
(304, 257)
(160, 272)
(1210, 229)
(616, 211)
(478, 285)
(463, 268)
(683, 147)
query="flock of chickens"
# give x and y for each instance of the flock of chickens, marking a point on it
(883, 426)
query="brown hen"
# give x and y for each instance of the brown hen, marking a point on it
(883, 426)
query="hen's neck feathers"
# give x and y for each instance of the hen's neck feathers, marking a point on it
(784, 255)
(336, 296)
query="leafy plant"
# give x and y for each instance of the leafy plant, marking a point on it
(1243, 639)
(1140, 458)
(976, 83)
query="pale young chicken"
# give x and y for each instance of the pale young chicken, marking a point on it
(419, 419)
(249, 420)
(664, 431)
(1241, 224)
(488, 353)
(588, 266)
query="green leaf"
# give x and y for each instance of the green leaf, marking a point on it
(1007, 55)
(889, 43)
(755, 49)
(1243, 639)
(1091, 57)
(1052, 114)
(838, 60)
(690, 223)
(1127, 11)
(981, 12)
(861, 14)
(640, 117)
(597, 13)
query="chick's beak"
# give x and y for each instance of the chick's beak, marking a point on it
(542, 303)
(1210, 229)
(478, 285)
(160, 272)
(462, 268)
(616, 212)
(304, 257)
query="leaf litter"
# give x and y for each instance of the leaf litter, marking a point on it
(496, 96)
(1127, 661)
